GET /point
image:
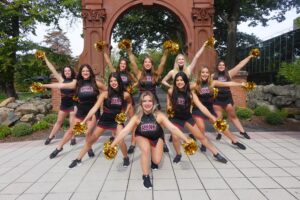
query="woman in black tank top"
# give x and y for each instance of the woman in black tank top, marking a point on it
(67, 105)
(87, 89)
(203, 89)
(149, 137)
(180, 100)
(114, 101)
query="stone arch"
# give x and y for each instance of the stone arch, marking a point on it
(99, 18)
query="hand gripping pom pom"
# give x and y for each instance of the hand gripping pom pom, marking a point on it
(171, 46)
(120, 118)
(108, 151)
(191, 147)
(39, 54)
(37, 87)
(129, 89)
(211, 42)
(255, 52)
(124, 44)
(170, 112)
(75, 98)
(215, 92)
(100, 45)
(249, 86)
(79, 128)
(221, 125)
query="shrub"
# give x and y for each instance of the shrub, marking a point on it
(51, 118)
(40, 125)
(290, 71)
(261, 111)
(244, 113)
(4, 131)
(21, 129)
(275, 118)
(66, 123)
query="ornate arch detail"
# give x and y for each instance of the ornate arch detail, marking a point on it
(202, 16)
(93, 17)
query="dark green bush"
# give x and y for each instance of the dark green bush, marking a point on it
(51, 118)
(261, 111)
(40, 125)
(66, 123)
(244, 113)
(4, 131)
(21, 129)
(275, 118)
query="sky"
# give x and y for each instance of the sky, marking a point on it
(73, 32)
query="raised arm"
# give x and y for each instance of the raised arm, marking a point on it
(53, 70)
(239, 66)
(226, 84)
(108, 62)
(196, 57)
(162, 63)
(132, 124)
(101, 86)
(166, 78)
(132, 59)
(96, 106)
(201, 107)
(71, 85)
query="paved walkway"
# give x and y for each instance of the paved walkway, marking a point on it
(268, 169)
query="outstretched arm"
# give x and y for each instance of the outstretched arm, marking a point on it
(239, 66)
(162, 63)
(132, 59)
(53, 70)
(96, 106)
(108, 62)
(132, 124)
(226, 84)
(71, 85)
(166, 78)
(196, 57)
(201, 107)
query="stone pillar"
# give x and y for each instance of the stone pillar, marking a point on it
(239, 94)
(55, 96)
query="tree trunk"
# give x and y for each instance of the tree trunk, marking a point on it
(231, 44)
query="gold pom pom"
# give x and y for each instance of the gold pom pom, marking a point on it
(170, 112)
(211, 42)
(79, 128)
(129, 89)
(37, 87)
(191, 147)
(100, 45)
(255, 52)
(39, 54)
(171, 46)
(75, 98)
(120, 118)
(221, 125)
(215, 92)
(108, 151)
(124, 44)
(249, 86)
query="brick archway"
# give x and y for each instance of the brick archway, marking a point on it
(99, 18)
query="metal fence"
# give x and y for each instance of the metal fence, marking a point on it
(274, 51)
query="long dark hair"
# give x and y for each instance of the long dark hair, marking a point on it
(80, 79)
(73, 74)
(217, 72)
(153, 74)
(127, 69)
(186, 90)
(120, 89)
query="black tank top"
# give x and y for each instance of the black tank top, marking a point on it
(86, 93)
(149, 128)
(114, 104)
(222, 90)
(67, 92)
(125, 79)
(204, 94)
(147, 83)
(181, 106)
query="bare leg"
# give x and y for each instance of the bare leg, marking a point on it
(145, 148)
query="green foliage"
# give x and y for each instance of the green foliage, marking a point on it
(244, 113)
(4, 131)
(261, 111)
(290, 71)
(40, 125)
(21, 129)
(276, 117)
(66, 123)
(51, 118)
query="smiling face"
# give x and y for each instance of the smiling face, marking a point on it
(221, 66)
(204, 74)
(147, 104)
(180, 82)
(147, 64)
(180, 60)
(85, 73)
(67, 72)
(113, 82)
(122, 65)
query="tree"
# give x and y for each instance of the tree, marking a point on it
(228, 14)
(18, 18)
(58, 42)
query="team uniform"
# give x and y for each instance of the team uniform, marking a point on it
(67, 103)
(150, 129)
(206, 98)
(126, 81)
(148, 85)
(182, 113)
(87, 96)
(111, 107)
(224, 96)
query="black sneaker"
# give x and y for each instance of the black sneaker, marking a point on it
(126, 162)
(91, 153)
(239, 145)
(219, 136)
(147, 182)
(75, 163)
(170, 138)
(203, 148)
(112, 138)
(48, 140)
(220, 158)
(131, 149)
(245, 134)
(166, 149)
(154, 166)
(73, 141)
(177, 158)
(192, 136)
(55, 152)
